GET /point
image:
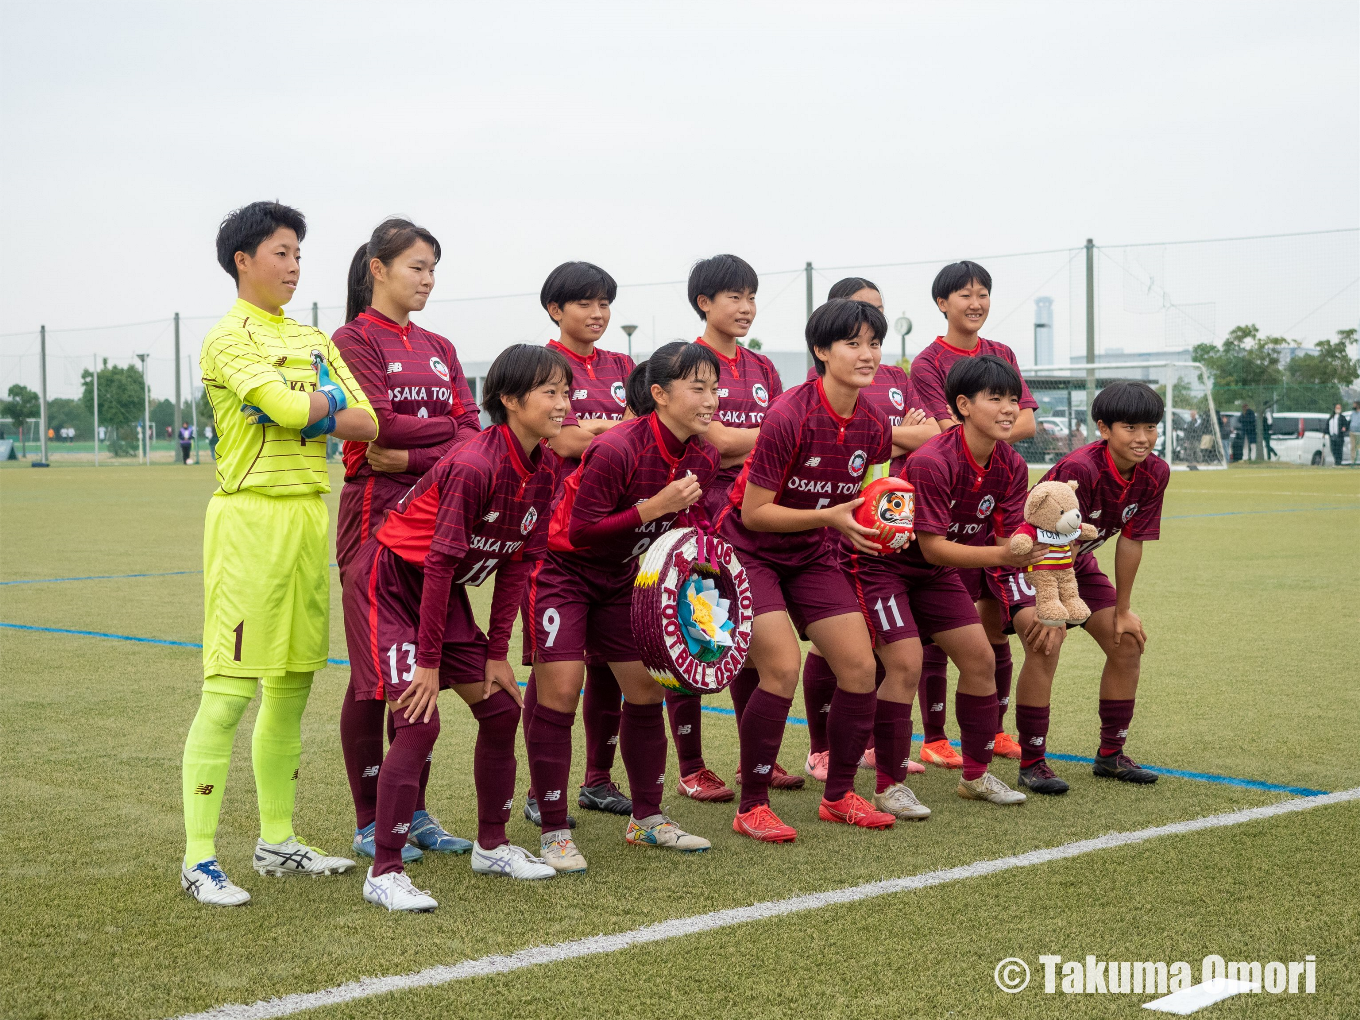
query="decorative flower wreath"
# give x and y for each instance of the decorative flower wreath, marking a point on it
(692, 612)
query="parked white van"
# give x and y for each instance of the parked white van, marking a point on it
(1300, 437)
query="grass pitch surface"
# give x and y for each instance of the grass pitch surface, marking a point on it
(1251, 672)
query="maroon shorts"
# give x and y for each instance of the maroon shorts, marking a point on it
(363, 502)
(574, 611)
(382, 615)
(1011, 588)
(797, 574)
(1093, 586)
(903, 600)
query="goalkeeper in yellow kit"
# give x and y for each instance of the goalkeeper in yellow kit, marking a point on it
(278, 389)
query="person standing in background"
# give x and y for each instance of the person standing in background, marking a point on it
(186, 441)
(1355, 432)
(1267, 423)
(1246, 428)
(1338, 427)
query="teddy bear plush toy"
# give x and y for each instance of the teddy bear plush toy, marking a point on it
(1053, 518)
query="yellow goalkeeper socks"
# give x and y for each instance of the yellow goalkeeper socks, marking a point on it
(277, 751)
(207, 754)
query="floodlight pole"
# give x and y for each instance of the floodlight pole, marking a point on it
(179, 406)
(1090, 337)
(146, 411)
(42, 384)
(96, 410)
(630, 330)
(807, 272)
(316, 316)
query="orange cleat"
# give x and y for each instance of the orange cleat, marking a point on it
(852, 809)
(763, 825)
(704, 785)
(1006, 746)
(939, 753)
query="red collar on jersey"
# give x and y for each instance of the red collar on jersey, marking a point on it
(671, 448)
(959, 350)
(587, 363)
(377, 317)
(524, 466)
(968, 452)
(840, 422)
(1114, 468)
(731, 362)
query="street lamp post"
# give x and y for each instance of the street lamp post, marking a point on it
(630, 330)
(903, 326)
(146, 410)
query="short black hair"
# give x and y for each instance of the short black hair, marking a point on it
(710, 277)
(985, 373)
(516, 371)
(248, 227)
(1129, 401)
(850, 286)
(638, 392)
(576, 281)
(956, 276)
(841, 319)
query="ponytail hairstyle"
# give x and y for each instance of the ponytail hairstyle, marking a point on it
(676, 360)
(639, 393)
(518, 370)
(851, 286)
(390, 238)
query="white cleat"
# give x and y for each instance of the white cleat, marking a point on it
(294, 858)
(658, 830)
(987, 787)
(560, 853)
(513, 861)
(206, 883)
(900, 802)
(395, 892)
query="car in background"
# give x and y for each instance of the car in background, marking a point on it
(1300, 437)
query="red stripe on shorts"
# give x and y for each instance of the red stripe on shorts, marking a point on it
(532, 629)
(373, 619)
(367, 511)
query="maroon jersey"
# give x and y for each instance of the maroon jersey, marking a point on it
(966, 502)
(888, 393)
(1108, 502)
(747, 387)
(809, 457)
(478, 509)
(416, 385)
(597, 523)
(930, 368)
(597, 386)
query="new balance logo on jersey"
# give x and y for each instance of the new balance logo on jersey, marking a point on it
(400, 828)
(939, 707)
(552, 795)
(684, 730)
(203, 789)
(370, 771)
(1095, 514)
(295, 775)
(491, 517)
(394, 366)
(762, 770)
(813, 461)
(579, 394)
(1036, 741)
(508, 804)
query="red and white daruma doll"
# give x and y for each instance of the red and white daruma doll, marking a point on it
(890, 506)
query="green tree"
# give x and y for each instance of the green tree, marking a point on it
(1315, 380)
(22, 404)
(121, 399)
(65, 413)
(1246, 367)
(162, 415)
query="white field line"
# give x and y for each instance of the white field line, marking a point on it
(535, 956)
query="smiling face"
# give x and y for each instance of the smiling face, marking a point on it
(269, 278)
(853, 362)
(966, 310)
(1129, 444)
(991, 414)
(729, 311)
(407, 282)
(686, 405)
(582, 321)
(540, 411)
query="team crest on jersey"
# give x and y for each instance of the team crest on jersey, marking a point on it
(440, 369)
(1129, 511)
(987, 505)
(898, 401)
(857, 461)
(619, 393)
(394, 366)
(530, 519)
(761, 394)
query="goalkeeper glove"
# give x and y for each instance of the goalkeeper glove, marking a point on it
(334, 393)
(254, 416)
(322, 427)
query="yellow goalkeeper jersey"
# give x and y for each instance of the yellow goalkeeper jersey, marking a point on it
(253, 357)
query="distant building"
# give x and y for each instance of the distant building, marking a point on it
(1043, 331)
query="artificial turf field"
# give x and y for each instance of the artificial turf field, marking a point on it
(1252, 671)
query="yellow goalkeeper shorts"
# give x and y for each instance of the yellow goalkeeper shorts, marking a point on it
(266, 585)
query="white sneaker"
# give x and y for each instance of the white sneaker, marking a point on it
(560, 853)
(294, 858)
(988, 787)
(206, 883)
(514, 861)
(395, 892)
(658, 830)
(900, 802)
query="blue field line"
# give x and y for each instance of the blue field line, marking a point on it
(1203, 777)
(100, 577)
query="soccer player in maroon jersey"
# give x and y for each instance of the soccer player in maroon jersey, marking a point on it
(722, 292)
(804, 476)
(416, 385)
(636, 481)
(970, 494)
(1121, 483)
(577, 297)
(889, 394)
(962, 291)
(410, 628)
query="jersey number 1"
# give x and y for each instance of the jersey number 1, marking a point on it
(240, 631)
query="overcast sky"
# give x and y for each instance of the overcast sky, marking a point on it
(642, 136)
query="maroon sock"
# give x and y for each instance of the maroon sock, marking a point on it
(1115, 717)
(742, 688)
(361, 740)
(880, 674)
(424, 773)
(600, 714)
(493, 766)
(819, 684)
(1004, 670)
(398, 784)
(848, 726)
(550, 763)
(526, 715)
(892, 737)
(1032, 721)
(934, 690)
(977, 731)
(642, 736)
(760, 731)
(686, 716)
